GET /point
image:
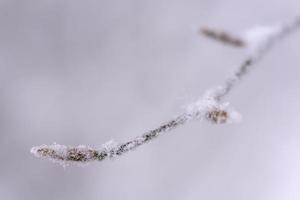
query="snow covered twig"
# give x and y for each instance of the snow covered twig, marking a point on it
(209, 107)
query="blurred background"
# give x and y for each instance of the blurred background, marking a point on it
(85, 72)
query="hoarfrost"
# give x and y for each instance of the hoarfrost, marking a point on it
(260, 36)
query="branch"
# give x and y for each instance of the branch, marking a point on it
(209, 107)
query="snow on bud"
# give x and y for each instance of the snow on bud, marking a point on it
(64, 154)
(209, 108)
(223, 114)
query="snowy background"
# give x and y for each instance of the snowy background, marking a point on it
(85, 72)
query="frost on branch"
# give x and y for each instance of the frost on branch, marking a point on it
(210, 107)
(207, 108)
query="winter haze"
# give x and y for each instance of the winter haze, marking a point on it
(86, 72)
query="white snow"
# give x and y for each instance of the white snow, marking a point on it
(259, 36)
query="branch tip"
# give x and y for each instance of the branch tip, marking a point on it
(223, 37)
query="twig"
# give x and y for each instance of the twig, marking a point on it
(208, 107)
(223, 36)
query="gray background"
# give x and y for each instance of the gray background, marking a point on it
(84, 72)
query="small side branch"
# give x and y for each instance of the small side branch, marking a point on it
(223, 37)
